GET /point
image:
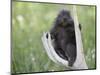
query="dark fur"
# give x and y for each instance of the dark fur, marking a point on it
(63, 33)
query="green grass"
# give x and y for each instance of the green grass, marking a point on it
(30, 20)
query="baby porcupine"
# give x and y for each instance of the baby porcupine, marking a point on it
(63, 34)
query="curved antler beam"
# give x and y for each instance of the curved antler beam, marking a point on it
(47, 42)
(80, 60)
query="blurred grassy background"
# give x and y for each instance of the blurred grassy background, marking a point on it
(30, 20)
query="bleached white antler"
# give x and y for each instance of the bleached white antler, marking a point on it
(80, 60)
(47, 42)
